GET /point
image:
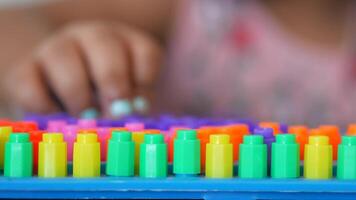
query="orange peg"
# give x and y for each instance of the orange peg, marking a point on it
(203, 135)
(301, 135)
(351, 129)
(236, 133)
(333, 133)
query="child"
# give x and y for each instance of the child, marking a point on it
(291, 61)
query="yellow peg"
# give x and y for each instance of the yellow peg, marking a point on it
(318, 158)
(137, 138)
(86, 156)
(4, 137)
(219, 160)
(52, 156)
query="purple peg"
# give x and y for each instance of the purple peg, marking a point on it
(117, 123)
(265, 132)
(283, 127)
(268, 139)
(104, 122)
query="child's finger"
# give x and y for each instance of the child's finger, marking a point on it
(27, 89)
(146, 58)
(109, 64)
(66, 73)
(141, 103)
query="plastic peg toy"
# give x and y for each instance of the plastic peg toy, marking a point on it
(138, 138)
(268, 138)
(52, 158)
(30, 125)
(351, 129)
(346, 163)
(87, 130)
(17, 127)
(172, 134)
(18, 156)
(236, 133)
(153, 157)
(318, 158)
(107, 136)
(5, 122)
(283, 128)
(315, 132)
(135, 126)
(87, 123)
(4, 137)
(236, 128)
(334, 137)
(301, 133)
(35, 138)
(70, 134)
(112, 129)
(121, 154)
(266, 133)
(103, 133)
(86, 156)
(186, 160)
(219, 158)
(56, 125)
(204, 136)
(253, 157)
(285, 157)
(151, 131)
(25, 126)
(274, 125)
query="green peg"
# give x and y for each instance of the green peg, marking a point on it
(121, 154)
(153, 156)
(346, 163)
(18, 156)
(285, 157)
(253, 157)
(186, 156)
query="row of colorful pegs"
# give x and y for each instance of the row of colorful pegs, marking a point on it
(236, 132)
(70, 127)
(253, 162)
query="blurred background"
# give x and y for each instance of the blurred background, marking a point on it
(12, 3)
(292, 61)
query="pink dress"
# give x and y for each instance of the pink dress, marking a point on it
(232, 59)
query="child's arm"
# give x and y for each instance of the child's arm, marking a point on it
(110, 45)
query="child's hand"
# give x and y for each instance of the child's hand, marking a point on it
(82, 63)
